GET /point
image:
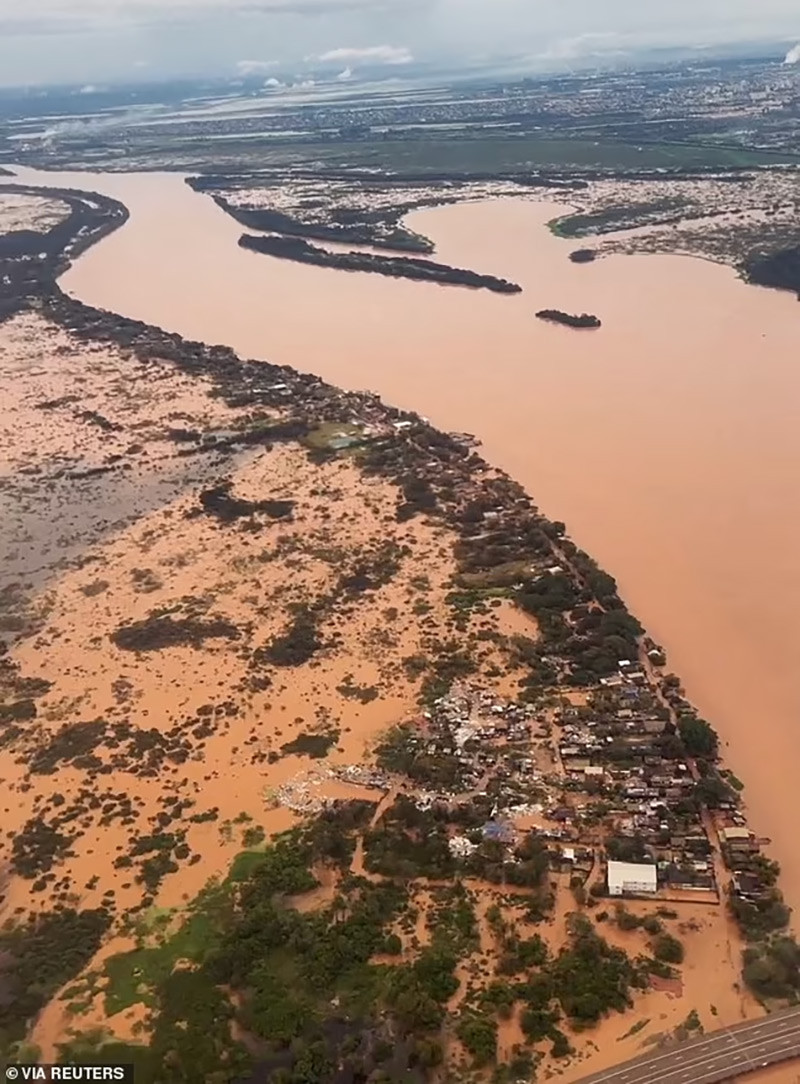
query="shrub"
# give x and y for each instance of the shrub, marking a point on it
(479, 1036)
(668, 949)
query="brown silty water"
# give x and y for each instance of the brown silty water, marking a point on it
(667, 440)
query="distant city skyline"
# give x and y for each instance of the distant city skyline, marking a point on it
(91, 41)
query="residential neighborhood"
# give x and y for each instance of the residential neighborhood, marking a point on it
(602, 777)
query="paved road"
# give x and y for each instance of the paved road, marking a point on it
(719, 1056)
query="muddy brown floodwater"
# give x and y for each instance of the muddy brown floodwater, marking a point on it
(668, 441)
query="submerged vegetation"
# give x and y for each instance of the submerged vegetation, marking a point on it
(583, 255)
(780, 269)
(30, 260)
(312, 991)
(615, 218)
(219, 502)
(163, 630)
(38, 957)
(346, 227)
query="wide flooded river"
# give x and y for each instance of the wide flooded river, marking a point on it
(668, 441)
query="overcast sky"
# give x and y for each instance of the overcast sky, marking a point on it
(91, 41)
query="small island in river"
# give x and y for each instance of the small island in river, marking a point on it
(294, 248)
(585, 320)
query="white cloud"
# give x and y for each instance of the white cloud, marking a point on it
(371, 54)
(81, 41)
(254, 67)
(793, 56)
(45, 16)
(343, 76)
(272, 82)
(602, 43)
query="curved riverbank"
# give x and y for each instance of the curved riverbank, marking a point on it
(674, 458)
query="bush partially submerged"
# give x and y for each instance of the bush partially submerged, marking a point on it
(157, 632)
(298, 644)
(220, 503)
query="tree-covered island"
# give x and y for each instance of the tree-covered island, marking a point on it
(555, 316)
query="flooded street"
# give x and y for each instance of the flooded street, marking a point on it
(667, 441)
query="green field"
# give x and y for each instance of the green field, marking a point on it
(504, 154)
(475, 153)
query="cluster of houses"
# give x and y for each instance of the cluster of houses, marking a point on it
(619, 748)
(617, 792)
(741, 852)
(490, 743)
(468, 714)
(750, 880)
(612, 785)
